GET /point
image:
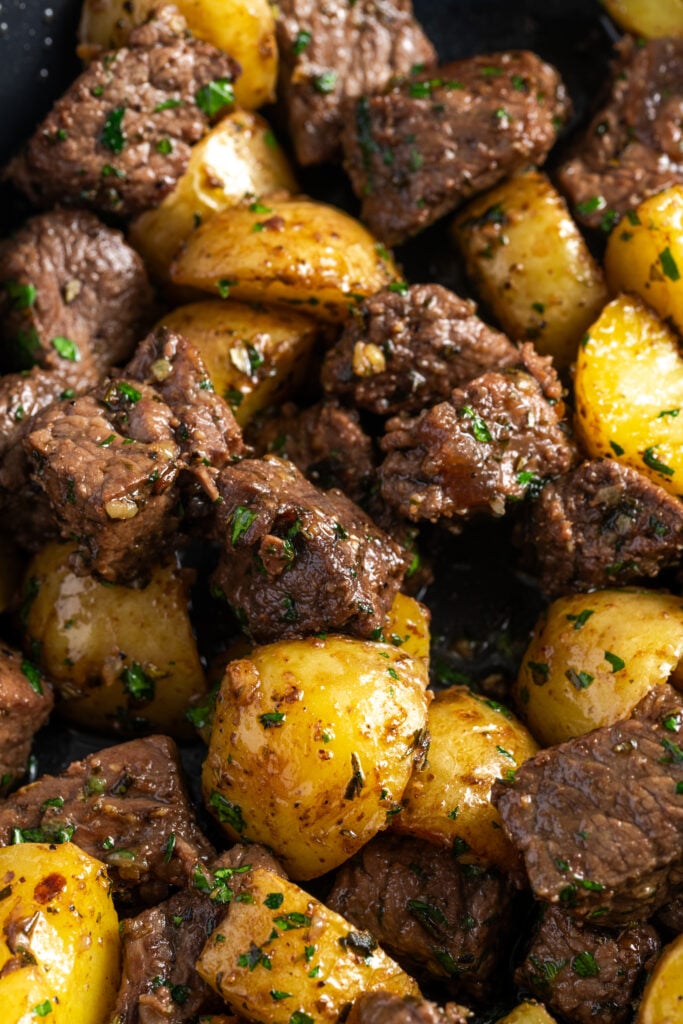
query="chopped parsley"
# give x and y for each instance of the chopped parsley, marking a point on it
(66, 348)
(615, 661)
(112, 137)
(137, 683)
(21, 296)
(325, 83)
(581, 619)
(302, 41)
(651, 460)
(227, 812)
(479, 428)
(242, 518)
(211, 98)
(271, 719)
(580, 680)
(585, 965)
(33, 676)
(669, 265)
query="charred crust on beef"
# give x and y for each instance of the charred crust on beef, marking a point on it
(388, 1008)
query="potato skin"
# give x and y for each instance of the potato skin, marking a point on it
(528, 1013)
(297, 935)
(629, 392)
(121, 659)
(71, 931)
(296, 251)
(663, 995)
(255, 357)
(312, 746)
(529, 262)
(473, 742)
(243, 28)
(644, 253)
(650, 19)
(407, 627)
(593, 657)
(238, 157)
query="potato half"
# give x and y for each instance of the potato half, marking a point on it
(662, 1001)
(629, 392)
(593, 657)
(283, 956)
(123, 660)
(651, 19)
(528, 1013)
(312, 746)
(59, 950)
(238, 158)
(295, 251)
(473, 742)
(529, 262)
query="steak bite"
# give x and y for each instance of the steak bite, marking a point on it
(296, 560)
(25, 704)
(602, 524)
(632, 147)
(408, 350)
(419, 150)
(430, 913)
(125, 805)
(330, 51)
(161, 946)
(72, 293)
(388, 1008)
(120, 137)
(586, 974)
(487, 445)
(599, 819)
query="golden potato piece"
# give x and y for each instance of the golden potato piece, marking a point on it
(238, 158)
(407, 626)
(312, 746)
(122, 659)
(651, 19)
(528, 1013)
(593, 657)
(662, 1001)
(629, 392)
(645, 254)
(317, 963)
(474, 741)
(59, 913)
(530, 264)
(255, 357)
(243, 28)
(296, 251)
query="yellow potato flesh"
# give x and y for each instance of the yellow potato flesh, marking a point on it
(96, 640)
(629, 392)
(243, 28)
(651, 19)
(59, 910)
(407, 627)
(312, 747)
(312, 966)
(662, 1001)
(644, 254)
(529, 262)
(473, 742)
(255, 357)
(593, 657)
(299, 252)
(238, 158)
(528, 1013)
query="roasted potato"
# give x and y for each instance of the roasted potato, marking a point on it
(317, 963)
(255, 356)
(312, 746)
(528, 1013)
(297, 251)
(593, 657)
(662, 1001)
(407, 627)
(644, 254)
(651, 19)
(529, 262)
(629, 392)
(121, 659)
(59, 950)
(243, 28)
(473, 742)
(238, 159)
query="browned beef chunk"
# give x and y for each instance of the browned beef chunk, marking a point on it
(485, 446)
(632, 147)
(108, 463)
(600, 525)
(329, 51)
(599, 819)
(671, 915)
(71, 293)
(326, 442)
(161, 946)
(25, 704)
(125, 805)
(120, 137)
(387, 1008)
(22, 395)
(585, 974)
(297, 560)
(407, 350)
(432, 914)
(416, 152)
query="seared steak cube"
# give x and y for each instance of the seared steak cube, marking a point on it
(387, 1008)
(25, 704)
